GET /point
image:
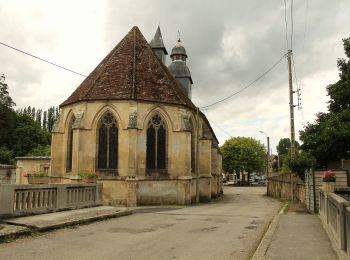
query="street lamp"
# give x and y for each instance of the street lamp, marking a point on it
(268, 153)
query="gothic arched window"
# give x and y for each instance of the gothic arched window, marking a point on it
(156, 144)
(70, 145)
(107, 140)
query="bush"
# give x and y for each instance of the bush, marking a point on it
(302, 162)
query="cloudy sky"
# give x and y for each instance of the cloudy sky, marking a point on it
(229, 44)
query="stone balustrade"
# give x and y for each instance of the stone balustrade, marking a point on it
(335, 215)
(18, 200)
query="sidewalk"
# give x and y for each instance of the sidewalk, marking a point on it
(24, 225)
(295, 234)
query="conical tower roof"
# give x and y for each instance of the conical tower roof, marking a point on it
(157, 41)
(131, 71)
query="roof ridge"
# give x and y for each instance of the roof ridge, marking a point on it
(131, 71)
(111, 53)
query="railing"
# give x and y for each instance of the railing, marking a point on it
(80, 195)
(34, 199)
(335, 215)
(30, 199)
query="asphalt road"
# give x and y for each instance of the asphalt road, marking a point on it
(229, 228)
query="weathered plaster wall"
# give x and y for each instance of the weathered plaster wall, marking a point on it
(30, 165)
(7, 174)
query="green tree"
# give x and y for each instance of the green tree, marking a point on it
(28, 135)
(243, 154)
(302, 162)
(328, 138)
(284, 146)
(7, 120)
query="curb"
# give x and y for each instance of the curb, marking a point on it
(267, 238)
(32, 229)
(81, 221)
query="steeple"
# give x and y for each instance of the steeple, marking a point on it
(179, 69)
(157, 45)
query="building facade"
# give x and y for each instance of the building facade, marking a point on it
(132, 122)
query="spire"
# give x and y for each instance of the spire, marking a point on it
(157, 45)
(179, 69)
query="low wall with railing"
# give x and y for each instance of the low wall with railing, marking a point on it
(18, 200)
(335, 214)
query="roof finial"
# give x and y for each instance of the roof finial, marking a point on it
(179, 40)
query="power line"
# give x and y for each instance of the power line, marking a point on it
(250, 84)
(36, 57)
(285, 20)
(223, 130)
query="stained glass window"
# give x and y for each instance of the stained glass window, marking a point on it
(156, 144)
(107, 142)
(70, 145)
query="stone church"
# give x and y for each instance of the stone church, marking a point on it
(133, 123)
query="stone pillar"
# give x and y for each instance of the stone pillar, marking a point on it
(132, 185)
(132, 141)
(184, 190)
(58, 156)
(214, 172)
(205, 170)
(7, 197)
(205, 158)
(132, 158)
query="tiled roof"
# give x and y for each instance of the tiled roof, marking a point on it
(131, 71)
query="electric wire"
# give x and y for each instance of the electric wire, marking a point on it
(41, 59)
(247, 86)
(220, 128)
(285, 21)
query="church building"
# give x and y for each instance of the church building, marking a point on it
(133, 123)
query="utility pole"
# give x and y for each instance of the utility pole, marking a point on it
(291, 106)
(197, 157)
(268, 157)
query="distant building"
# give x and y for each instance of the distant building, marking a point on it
(132, 122)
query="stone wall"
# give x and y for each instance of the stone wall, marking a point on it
(341, 181)
(286, 186)
(7, 174)
(291, 187)
(31, 164)
(335, 216)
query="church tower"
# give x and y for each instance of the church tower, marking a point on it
(179, 69)
(158, 47)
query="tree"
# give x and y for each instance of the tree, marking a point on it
(7, 114)
(302, 162)
(243, 154)
(5, 98)
(284, 146)
(328, 138)
(27, 135)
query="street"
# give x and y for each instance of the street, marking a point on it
(229, 228)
